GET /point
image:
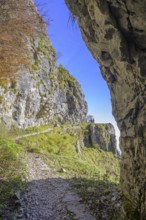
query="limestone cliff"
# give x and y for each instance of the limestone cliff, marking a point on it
(101, 136)
(115, 33)
(33, 90)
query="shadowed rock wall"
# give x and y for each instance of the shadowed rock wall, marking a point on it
(115, 33)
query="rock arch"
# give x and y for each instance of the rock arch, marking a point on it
(115, 33)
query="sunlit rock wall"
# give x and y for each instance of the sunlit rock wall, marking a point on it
(33, 90)
(100, 136)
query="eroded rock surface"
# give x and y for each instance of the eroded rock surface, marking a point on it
(33, 90)
(102, 136)
(115, 33)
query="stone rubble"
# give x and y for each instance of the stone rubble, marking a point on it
(49, 197)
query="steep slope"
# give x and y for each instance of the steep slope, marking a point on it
(115, 33)
(33, 90)
(55, 169)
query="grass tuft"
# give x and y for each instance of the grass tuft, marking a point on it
(86, 168)
(12, 171)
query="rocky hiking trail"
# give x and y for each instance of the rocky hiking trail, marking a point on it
(43, 132)
(49, 197)
(33, 134)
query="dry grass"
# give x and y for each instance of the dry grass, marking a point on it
(18, 23)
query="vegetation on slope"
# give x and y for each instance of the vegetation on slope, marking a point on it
(91, 171)
(14, 33)
(65, 79)
(59, 145)
(11, 171)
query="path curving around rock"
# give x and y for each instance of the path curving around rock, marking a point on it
(33, 134)
(43, 132)
(49, 197)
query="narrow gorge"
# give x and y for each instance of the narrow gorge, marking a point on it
(115, 33)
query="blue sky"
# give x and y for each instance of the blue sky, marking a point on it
(67, 41)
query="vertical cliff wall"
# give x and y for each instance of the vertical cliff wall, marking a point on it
(100, 136)
(33, 90)
(115, 33)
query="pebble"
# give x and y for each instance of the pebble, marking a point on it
(49, 197)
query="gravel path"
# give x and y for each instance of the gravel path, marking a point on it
(49, 197)
(42, 132)
(33, 134)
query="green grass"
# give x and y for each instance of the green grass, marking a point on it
(12, 171)
(58, 149)
(93, 173)
(66, 80)
(56, 144)
(12, 133)
(45, 46)
(37, 129)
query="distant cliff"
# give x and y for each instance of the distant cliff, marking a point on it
(100, 136)
(33, 90)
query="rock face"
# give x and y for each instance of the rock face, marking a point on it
(33, 90)
(115, 33)
(100, 135)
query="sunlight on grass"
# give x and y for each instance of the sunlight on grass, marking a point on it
(92, 173)
(59, 147)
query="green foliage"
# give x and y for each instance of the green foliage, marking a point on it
(69, 83)
(107, 165)
(84, 125)
(65, 79)
(37, 129)
(60, 147)
(45, 46)
(36, 65)
(52, 79)
(12, 170)
(50, 142)
(42, 46)
(92, 170)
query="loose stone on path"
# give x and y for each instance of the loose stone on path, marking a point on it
(49, 197)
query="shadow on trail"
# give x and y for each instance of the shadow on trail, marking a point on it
(103, 197)
(56, 198)
(9, 197)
